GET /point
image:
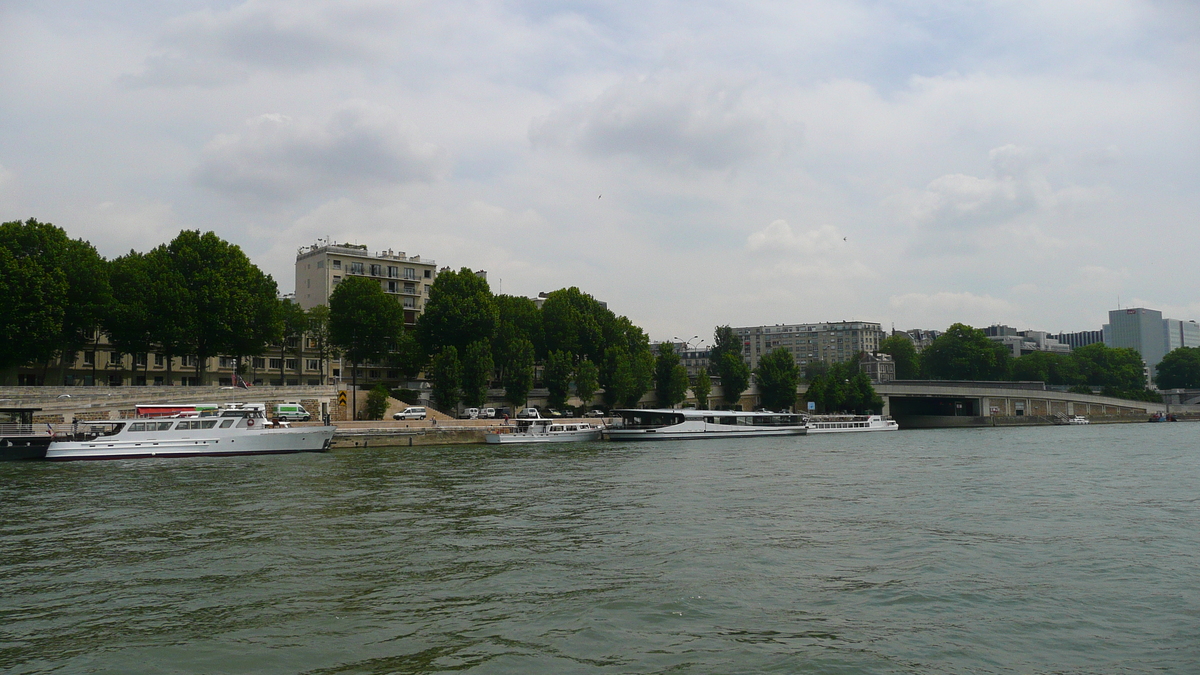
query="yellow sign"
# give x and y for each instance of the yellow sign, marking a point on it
(342, 398)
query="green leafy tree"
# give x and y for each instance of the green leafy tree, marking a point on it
(904, 355)
(89, 295)
(519, 317)
(702, 387)
(559, 369)
(168, 294)
(726, 360)
(293, 321)
(230, 306)
(477, 373)
(574, 322)
(130, 323)
(815, 369)
(377, 402)
(670, 377)
(319, 330)
(586, 381)
(364, 323)
(518, 373)
(460, 310)
(34, 287)
(1120, 369)
(844, 388)
(446, 375)
(1180, 369)
(408, 357)
(777, 376)
(965, 353)
(1059, 369)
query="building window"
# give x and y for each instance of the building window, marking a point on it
(158, 359)
(391, 287)
(428, 274)
(187, 361)
(376, 270)
(320, 264)
(393, 271)
(276, 364)
(89, 358)
(259, 362)
(337, 265)
(290, 364)
(355, 268)
(410, 303)
(228, 362)
(410, 273)
(312, 364)
(410, 288)
(139, 359)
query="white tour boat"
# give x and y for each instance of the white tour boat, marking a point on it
(542, 430)
(242, 430)
(670, 425)
(1078, 419)
(840, 424)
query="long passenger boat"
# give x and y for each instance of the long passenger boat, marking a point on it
(840, 424)
(671, 425)
(240, 430)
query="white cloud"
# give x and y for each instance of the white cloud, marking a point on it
(678, 120)
(939, 310)
(279, 157)
(778, 237)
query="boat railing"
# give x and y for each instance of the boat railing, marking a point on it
(11, 429)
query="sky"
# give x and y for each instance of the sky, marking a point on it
(692, 164)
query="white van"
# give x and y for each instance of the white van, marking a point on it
(487, 413)
(412, 412)
(469, 414)
(292, 412)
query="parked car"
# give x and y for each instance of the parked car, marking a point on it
(503, 412)
(529, 413)
(487, 413)
(469, 414)
(292, 412)
(594, 413)
(412, 412)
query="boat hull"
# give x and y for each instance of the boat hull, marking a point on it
(15, 448)
(669, 434)
(273, 441)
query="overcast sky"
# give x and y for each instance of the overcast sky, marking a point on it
(691, 163)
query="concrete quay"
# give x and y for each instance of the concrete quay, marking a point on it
(409, 433)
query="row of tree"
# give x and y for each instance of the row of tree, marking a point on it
(197, 296)
(966, 353)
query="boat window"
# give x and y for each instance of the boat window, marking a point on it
(208, 424)
(139, 426)
(226, 424)
(647, 419)
(556, 427)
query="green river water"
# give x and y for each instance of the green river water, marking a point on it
(1022, 550)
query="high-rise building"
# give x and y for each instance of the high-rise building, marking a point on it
(1180, 334)
(322, 266)
(1082, 338)
(809, 342)
(1139, 329)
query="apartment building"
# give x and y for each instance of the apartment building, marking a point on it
(1021, 342)
(808, 342)
(322, 266)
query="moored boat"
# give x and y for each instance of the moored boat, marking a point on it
(840, 424)
(19, 437)
(240, 430)
(670, 424)
(543, 430)
(1078, 419)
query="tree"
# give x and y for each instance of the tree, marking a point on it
(844, 387)
(904, 355)
(1120, 369)
(377, 402)
(519, 317)
(702, 387)
(293, 321)
(777, 377)
(407, 356)
(34, 287)
(559, 368)
(460, 310)
(364, 323)
(670, 377)
(130, 323)
(726, 360)
(965, 353)
(574, 322)
(586, 381)
(518, 373)
(89, 296)
(318, 331)
(1061, 369)
(1180, 369)
(445, 375)
(476, 373)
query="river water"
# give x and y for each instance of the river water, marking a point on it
(1023, 550)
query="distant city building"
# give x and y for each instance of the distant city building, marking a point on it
(878, 366)
(920, 337)
(321, 267)
(810, 342)
(1180, 334)
(1139, 329)
(693, 357)
(1080, 339)
(1021, 342)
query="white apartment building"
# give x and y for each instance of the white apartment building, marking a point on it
(322, 266)
(809, 342)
